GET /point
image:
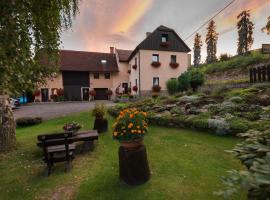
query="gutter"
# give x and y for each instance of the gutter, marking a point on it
(139, 74)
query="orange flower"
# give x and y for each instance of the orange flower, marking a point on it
(115, 133)
(131, 116)
(130, 125)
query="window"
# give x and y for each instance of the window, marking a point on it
(96, 75)
(155, 81)
(107, 75)
(155, 58)
(135, 61)
(136, 82)
(164, 38)
(173, 58)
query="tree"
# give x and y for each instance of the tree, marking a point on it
(211, 42)
(30, 31)
(172, 86)
(197, 49)
(196, 79)
(267, 27)
(184, 81)
(245, 31)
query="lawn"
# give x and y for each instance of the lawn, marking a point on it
(184, 165)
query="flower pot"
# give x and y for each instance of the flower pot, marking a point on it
(132, 144)
(101, 125)
(133, 163)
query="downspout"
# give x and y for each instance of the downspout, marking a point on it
(139, 74)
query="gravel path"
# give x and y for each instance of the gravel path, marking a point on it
(54, 110)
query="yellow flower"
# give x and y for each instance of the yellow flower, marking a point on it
(115, 133)
(138, 127)
(131, 116)
(139, 131)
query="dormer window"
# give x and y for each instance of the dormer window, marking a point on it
(103, 62)
(155, 58)
(173, 58)
(164, 38)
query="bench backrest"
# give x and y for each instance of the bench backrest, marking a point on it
(51, 140)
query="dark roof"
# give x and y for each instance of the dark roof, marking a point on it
(153, 42)
(123, 54)
(87, 61)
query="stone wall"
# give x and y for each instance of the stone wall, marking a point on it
(7, 126)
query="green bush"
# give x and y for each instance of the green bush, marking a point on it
(28, 121)
(184, 81)
(196, 79)
(172, 86)
(238, 125)
(254, 153)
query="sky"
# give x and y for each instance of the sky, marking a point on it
(124, 23)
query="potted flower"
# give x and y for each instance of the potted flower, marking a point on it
(36, 93)
(129, 71)
(72, 127)
(135, 88)
(174, 65)
(109, 93)
(155, 90)
(92, 94)
(155, 63)
(101, 123)
(129, 129)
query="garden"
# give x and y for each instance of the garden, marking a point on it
(177, 160)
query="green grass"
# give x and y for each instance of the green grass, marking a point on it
(184, 165)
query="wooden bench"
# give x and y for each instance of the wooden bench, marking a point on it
(61, 147)
(57, 148)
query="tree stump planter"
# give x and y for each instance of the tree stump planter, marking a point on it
(101, 125)
(133, 163)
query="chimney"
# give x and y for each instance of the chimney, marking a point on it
(147, 34)
(112, 50)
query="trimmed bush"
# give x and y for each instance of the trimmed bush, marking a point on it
(172, 86)
(28, 121)
(184, 81)
(196, 79)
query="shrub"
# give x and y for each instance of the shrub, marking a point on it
(99, 111)
(189, 99)
(184, 81)
(219, 91)
(224, 57)
(196, 79)
(220, 126)
(254, 153)
(172, 86)
(28, 121)
(236, 99)
(238, 125)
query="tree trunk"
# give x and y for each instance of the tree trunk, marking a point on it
(7, 126)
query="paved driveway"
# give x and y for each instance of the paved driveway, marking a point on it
(54, 110)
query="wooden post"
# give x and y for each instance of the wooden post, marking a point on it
(133, 165)
(7, 125)
(259, 74)
(268, 72)
(263, 73)
(251, 75)
(254, 75)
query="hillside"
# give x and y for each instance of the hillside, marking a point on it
(234, 70)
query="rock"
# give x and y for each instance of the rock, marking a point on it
(170, 106)
(264, 100)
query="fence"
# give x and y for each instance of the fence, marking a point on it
(259, 74)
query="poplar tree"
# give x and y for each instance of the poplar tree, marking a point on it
(245, 31)
(197, 49)
(29, 30)
(211, 42)
(267, 27)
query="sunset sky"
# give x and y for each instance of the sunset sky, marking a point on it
(123, 23)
